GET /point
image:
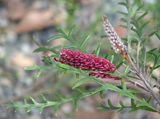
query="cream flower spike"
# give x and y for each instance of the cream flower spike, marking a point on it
(115, 40)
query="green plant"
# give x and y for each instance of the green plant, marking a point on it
(133, 55)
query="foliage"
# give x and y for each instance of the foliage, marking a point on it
(137, 39)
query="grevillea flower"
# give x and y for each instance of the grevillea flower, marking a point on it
(115, 40)
(85, 61)
(89, 62)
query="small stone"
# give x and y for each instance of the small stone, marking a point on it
(22, 60)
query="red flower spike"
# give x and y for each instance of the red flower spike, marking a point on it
(85, 61)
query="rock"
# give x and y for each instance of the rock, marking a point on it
(21, 60)
(40, 19)
(16, 8)
(96, 115)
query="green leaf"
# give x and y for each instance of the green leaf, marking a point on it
(70, 33)
(97, 50)
(65, 35)
(75, 103)
(152, 33)
(123, 20)
(142, 16)
(36, 67)
(144, 25)
(140, 7)
(127, 70)
(33, 100)
(45, 49)
(149, 99)
(156, 67)
(158, 36)
(55, 37)
(47, 60)
(80, 82)
(152, 50)
(121, 103)
(124, 26)
(111, 87)
(110, 104)
(63, 66)
(41, 49)
(84, 42)
(133, 103)
(123, 4)
(130, 95)
(124, 87)
(146, 106)
(123, 13)
(120, 64)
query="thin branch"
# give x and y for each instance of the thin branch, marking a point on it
(145, 81)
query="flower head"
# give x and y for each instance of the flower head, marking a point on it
(85, 61)
(115, 40)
